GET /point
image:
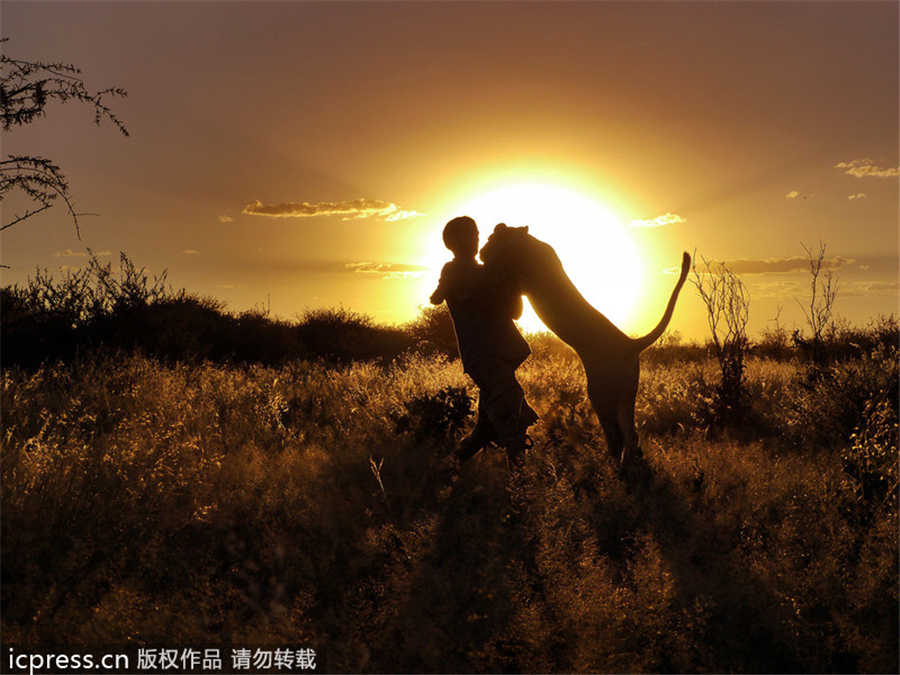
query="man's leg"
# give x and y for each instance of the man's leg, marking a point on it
(481, 435)
(508, 412)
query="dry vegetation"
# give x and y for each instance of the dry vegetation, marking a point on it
(314, 502)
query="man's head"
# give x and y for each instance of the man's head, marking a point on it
(461, 237)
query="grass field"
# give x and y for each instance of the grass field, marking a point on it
(151, 501)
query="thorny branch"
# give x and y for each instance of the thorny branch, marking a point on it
(26, 88)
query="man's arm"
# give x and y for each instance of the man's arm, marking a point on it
(440, 293)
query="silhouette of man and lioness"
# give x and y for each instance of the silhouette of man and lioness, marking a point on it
(483, 307)
(484, 299)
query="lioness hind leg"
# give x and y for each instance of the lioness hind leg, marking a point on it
(633, 468)
(631, 451)
(614, 439)
(604, 406)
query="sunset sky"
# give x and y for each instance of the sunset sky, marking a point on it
(306, 155)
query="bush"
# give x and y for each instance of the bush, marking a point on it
(340, 335)
(774, 343)
(822, 410)
(871, 458)
(93, 308)
(727, 303)
(432, 331)
(442, 413)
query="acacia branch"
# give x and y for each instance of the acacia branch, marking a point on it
(26, 88)
(27, 214)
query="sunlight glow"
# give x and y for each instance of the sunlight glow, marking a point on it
(594, 246)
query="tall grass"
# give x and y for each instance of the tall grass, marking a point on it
(149, 501)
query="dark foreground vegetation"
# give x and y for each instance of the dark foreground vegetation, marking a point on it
(94, 308)
(173, 473)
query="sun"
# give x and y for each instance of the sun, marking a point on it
(594, 246)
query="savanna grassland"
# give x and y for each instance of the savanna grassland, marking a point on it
(149, 499)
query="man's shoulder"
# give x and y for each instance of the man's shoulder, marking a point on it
(457, 269)
(458, 264)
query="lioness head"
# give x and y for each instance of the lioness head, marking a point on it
(505, 252)
(502, 244)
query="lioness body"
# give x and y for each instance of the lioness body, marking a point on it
(609, 357)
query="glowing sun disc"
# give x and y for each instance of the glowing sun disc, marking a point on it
(594, 247)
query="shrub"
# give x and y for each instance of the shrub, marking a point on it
(871, 458)
(671, 350)
(823, 410)
(774, 343)
(340, 335)
(727, 303)
(442, 413)
(94, 308)
(433, 331)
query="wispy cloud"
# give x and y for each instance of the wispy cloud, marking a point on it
(226, 219)
(402, 214)
(774, 265)
(858, 289)
(190, 251)
(69, 253)
(858, 195)
(794, 194)
(862, 168)
(659, 221)
(350, 209)
(775, 289)
(761, 288)
(386, 270)
(883, 286)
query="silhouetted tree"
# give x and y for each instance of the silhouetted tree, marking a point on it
(823, 291)
(26, 88)
(727, 313)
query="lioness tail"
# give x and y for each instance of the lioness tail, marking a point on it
(642, 343)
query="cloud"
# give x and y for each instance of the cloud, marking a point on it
(190, 251)
(858, 195)
(776, 289)
(866, 167)
(777, 265)
(883, 286)
(403, 214)
(793, 194)
(857, 289)
(226, 219)
(659, 221)
(69, 253)
(350, 209)
(386, 270)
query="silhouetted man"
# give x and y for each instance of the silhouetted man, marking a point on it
(483, 308)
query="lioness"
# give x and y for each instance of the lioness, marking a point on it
(610, 357)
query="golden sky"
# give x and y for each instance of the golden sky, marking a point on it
(306, 155)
